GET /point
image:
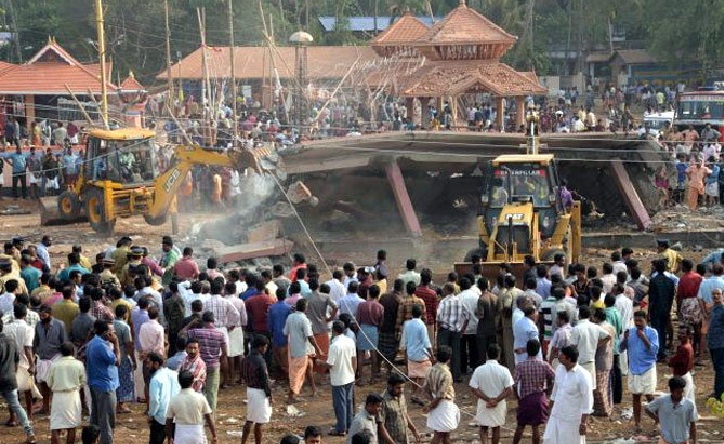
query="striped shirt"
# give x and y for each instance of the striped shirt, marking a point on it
(211, 342)
(452, 313)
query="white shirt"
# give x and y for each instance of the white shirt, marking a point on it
(336, 290)
(19, 331)
(618, 267)
(609, 280)
(6, 303)
(491, 378)
(341, 351)
(572, 393)
(555, 269)
(469, 298)
(586, 335)
(624, 305)
(43, 254)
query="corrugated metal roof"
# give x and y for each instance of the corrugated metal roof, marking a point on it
(365, 24)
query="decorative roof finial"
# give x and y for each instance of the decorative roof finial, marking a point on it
(462, 2)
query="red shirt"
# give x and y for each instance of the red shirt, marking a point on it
(688, 286)
(293, 272)
(257, 308)
(186, 268)
(683, 361)
(429, 297)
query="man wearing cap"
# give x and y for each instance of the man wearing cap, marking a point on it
(169, 257)
(131, 270)
(107, 276)
(7, 272)
(673, 258)
(120, 255)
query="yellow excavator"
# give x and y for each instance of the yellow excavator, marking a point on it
(119, 178)
(522, 214)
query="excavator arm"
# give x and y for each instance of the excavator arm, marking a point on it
(186, 157)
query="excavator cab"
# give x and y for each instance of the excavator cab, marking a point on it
(520, 214)
(130, 162)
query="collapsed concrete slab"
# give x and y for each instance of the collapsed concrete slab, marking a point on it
(236, 253)
(630, 196)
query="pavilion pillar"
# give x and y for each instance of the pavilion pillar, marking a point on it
(410, 106)
(520, 114)
(29, 110)
(500, 114)
(425, 113)
(402, 198)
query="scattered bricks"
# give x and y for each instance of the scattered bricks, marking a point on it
(236, 253)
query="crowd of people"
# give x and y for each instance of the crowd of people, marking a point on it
(132, 329)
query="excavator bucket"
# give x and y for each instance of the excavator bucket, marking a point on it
(60, 210)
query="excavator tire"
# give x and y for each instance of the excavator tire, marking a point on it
(94, 200)
(68, 205)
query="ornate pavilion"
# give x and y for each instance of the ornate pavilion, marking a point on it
(460, 55)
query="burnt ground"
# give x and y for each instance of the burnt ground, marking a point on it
(132, 427)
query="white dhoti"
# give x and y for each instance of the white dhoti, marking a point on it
(42, 368)
(258, 409)
(623, 360)
(559, 431)
(690, 389)
(236, 343)
(138, 382)
(494, 417)
(225, 332)
(34, 178)
(444, 418)
(644, 384)
(189, 434)
(26, 382)
(65, 410)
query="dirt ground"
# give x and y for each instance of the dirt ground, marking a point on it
(318, 411)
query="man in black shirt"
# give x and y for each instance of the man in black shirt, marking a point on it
(9, 359)
(258, 390)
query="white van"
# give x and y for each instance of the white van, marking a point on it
(655, 122)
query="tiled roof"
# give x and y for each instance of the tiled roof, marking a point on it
(365, 24)
(405, 30)
(131, 84)
(49, 71)
(634, 56)
(464, 25)
(438, 79)
(255, 62)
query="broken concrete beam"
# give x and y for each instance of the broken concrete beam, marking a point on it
(630, 195)
(352, 208)
(298, 192)
(236, 253)
(402, 198)
(264, 231)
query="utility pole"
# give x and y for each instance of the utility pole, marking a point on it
(232, 61)
(16, 40)
(205, 90)
(102, 50)
(171, 105)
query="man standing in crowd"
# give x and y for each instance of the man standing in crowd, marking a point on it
(452, 319)
(162, 387)
(302, 345)
(675, 414)
(571, 401)
(103, 356)
(417, 348)
(212, 350)
(194, 365)
(258, 390)
(533, 381)
(9, 360)
(642, 343)
(587, 336)
(187, 413)
(49, 337)
(394, 419)
(342, 364)
(492, 384)
(66, 377)
(443, 416)
(366, 421)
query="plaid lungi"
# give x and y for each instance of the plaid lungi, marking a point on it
(388, 345)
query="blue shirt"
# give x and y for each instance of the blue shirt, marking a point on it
(716, 327)
(164, 384)
(65, 272)
(19, 162)
(276, 320)
(714, 257)
(102, 370)
(640, 358)
(248, 294)
(31, 275)
(709, 284)
(416, 340)
(681, 172)
(349, 303)
(543, 287)
(175, 361)
(306, 292)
